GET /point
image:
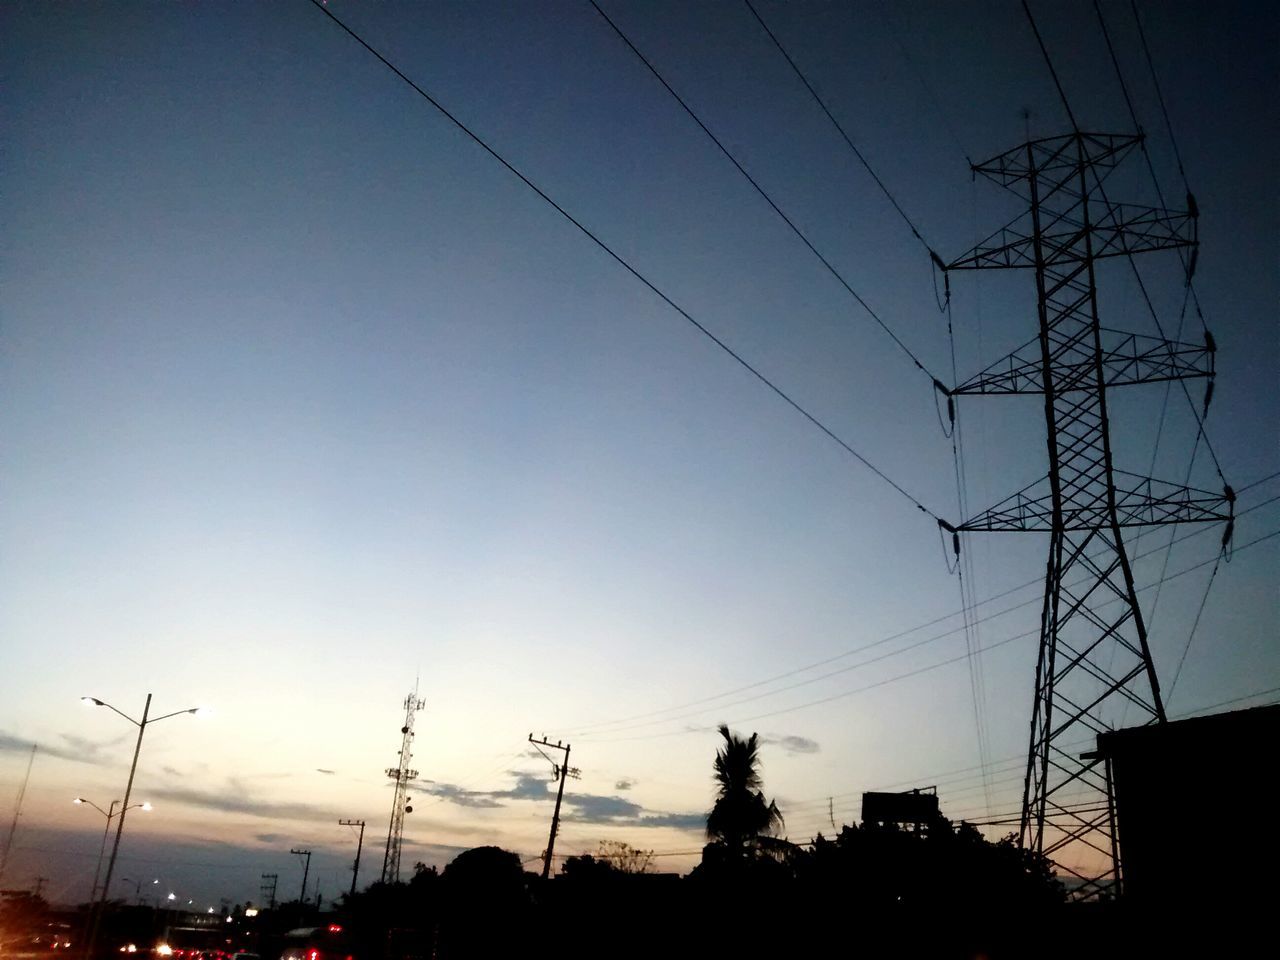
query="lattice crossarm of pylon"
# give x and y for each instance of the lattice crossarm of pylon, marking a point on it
(1129, 228)
(1030, 509)
(1140, 502)
(1127, 359)
(1008, 247)
(1132, 358)
(1056, 155)
(1145, 501)
(1125, 231)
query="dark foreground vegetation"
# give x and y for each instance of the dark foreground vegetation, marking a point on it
(934, 889)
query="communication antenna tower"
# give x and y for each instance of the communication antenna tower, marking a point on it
(401, 774)
(1094, 654)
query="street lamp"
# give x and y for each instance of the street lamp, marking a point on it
(110, 815)
(115, 846)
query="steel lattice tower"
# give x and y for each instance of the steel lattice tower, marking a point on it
(401, 774)
(1094, 654)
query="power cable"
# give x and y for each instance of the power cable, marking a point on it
(843, 134)
(902, 676)
(654, 716)
(964, 563)
(890, 16)
(761, 191)
(939, 778)
(1192, 635)
(1044, 51)
(1142, 36)
(706, 332)
(1227, 703)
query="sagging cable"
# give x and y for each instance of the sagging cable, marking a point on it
(940, 387)
(946, 281)
(955, 545)
(1231, 522)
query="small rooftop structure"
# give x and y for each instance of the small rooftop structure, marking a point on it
(1188, 794)
(914, 807)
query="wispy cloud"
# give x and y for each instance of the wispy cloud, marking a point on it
(235, 798)
(790, 743)
(463, 798)
(327, 773)
(592, 808)
(75, 749)
(579, 807)
(696, 822)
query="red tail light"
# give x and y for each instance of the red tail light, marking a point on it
(313, 955)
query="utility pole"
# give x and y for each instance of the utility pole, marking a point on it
(268, 888)
(355, 867)
(1094, 656)
(562, 771)
(401, 774)
(302, 897)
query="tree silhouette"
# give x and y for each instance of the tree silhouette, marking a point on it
(741, 816)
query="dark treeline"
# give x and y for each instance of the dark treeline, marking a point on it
(929, 889)
(938, 892)
(932, 890)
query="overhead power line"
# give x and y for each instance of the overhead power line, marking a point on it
(1155, 80)
(625, 264)
(843, 133)
(940, 778)
(1048, 61)
(895, 678)
(764, 195)
(654, 717)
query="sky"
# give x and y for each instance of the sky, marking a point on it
(306, 400)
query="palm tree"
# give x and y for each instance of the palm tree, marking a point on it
(741, 814)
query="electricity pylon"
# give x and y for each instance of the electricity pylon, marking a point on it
(1094, 653)
(401, 774)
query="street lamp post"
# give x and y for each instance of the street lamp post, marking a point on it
(128, 789)
(102, 849)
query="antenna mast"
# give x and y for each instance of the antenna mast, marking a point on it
(401, 774)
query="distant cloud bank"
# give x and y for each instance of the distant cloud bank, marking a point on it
(76, 749)
(580, 807)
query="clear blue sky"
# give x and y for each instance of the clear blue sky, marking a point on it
(302, 396)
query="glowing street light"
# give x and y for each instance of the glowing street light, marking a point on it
(115, 847)
(110, 815)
